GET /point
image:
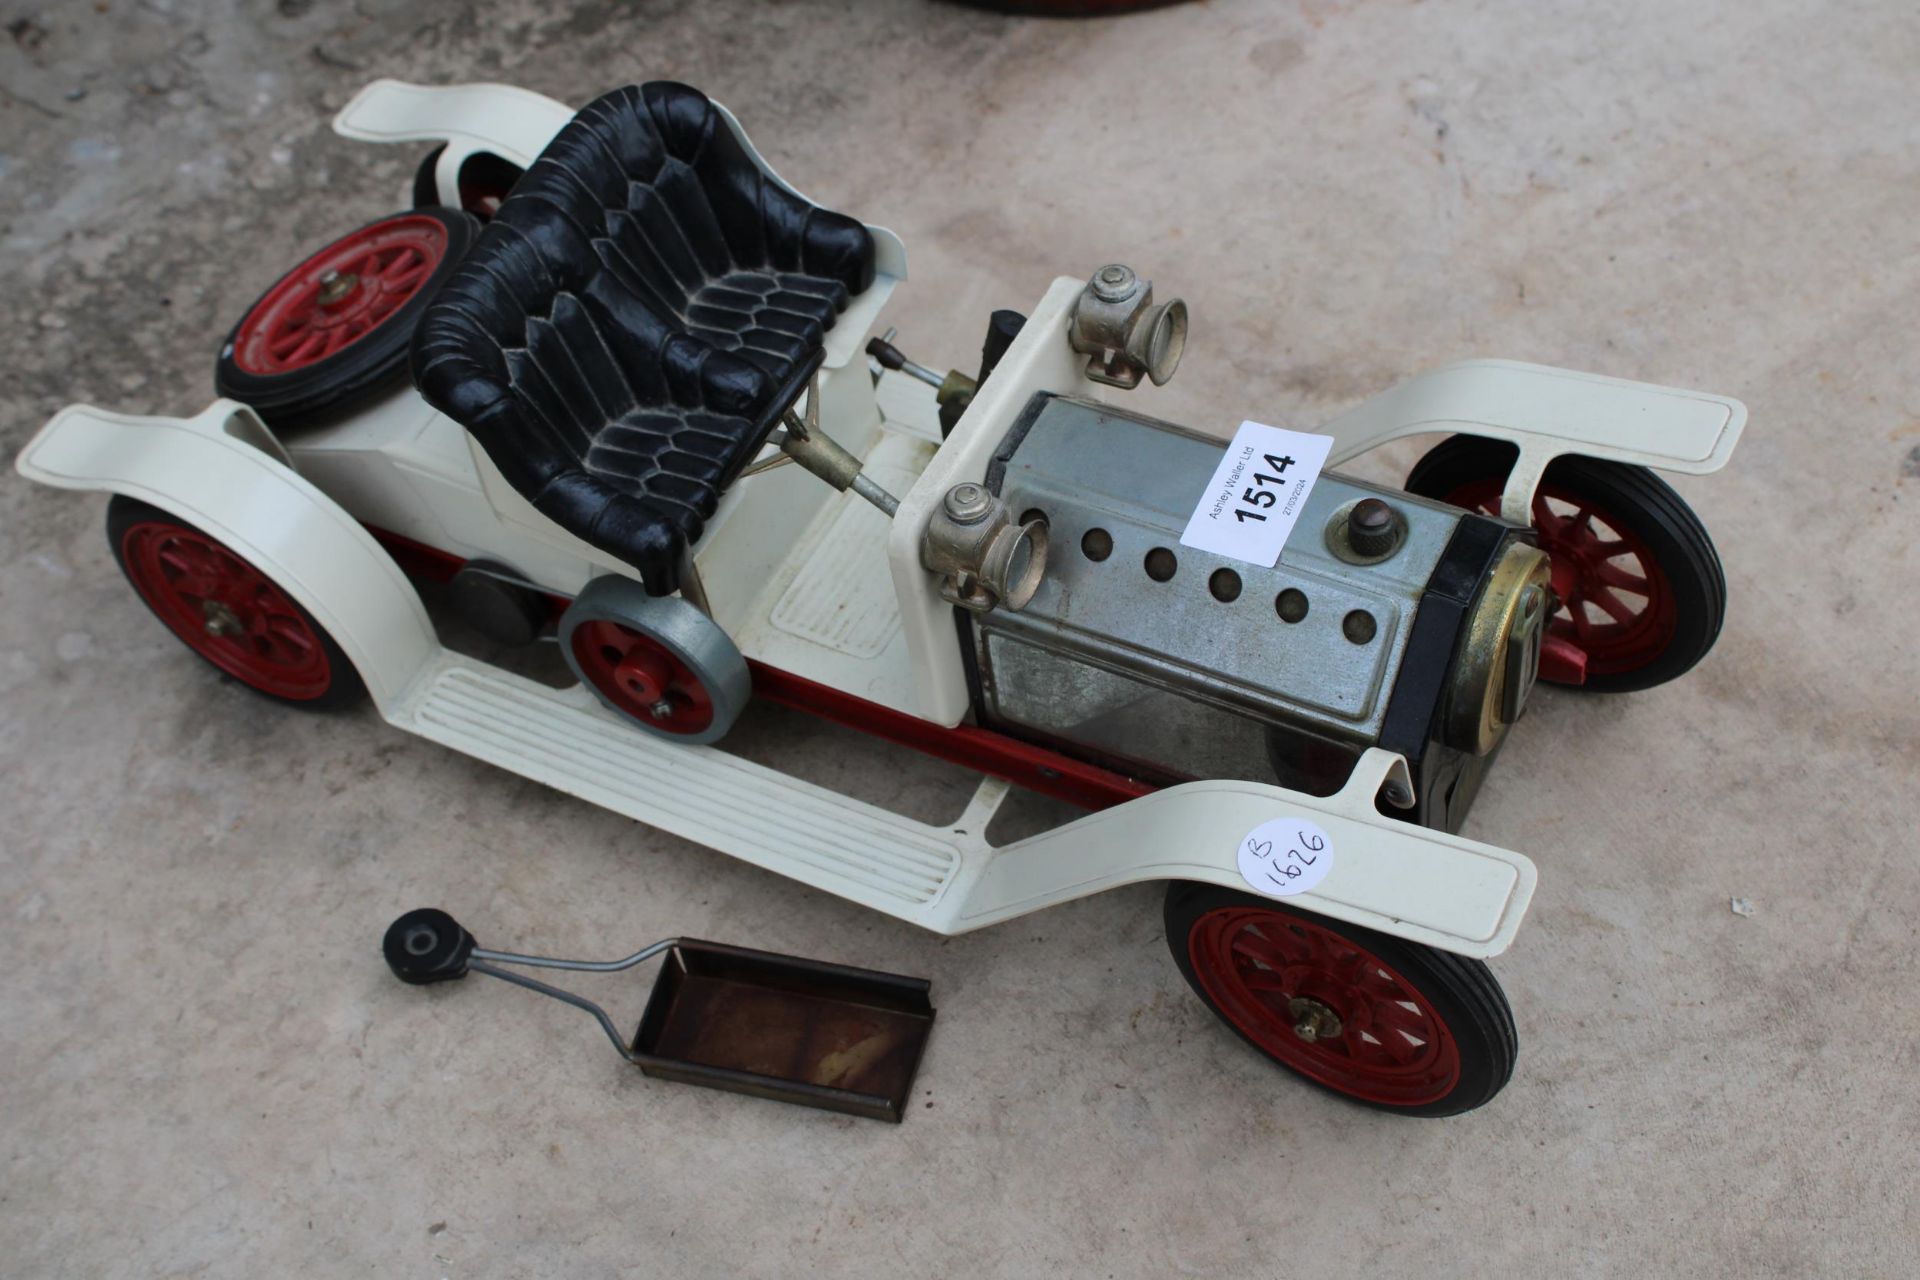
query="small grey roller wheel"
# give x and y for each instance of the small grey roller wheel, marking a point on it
(656, 660)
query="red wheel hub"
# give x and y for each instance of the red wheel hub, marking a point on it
(226, 610)
(1617, 610)
(339, 295)
(1324, 1006)
(642, 677)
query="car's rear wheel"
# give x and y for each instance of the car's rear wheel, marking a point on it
(336, 327)
(227, 611)
(1378, 1020)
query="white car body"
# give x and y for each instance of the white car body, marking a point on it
(815, 584)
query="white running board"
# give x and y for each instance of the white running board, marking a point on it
(1433, 888)
(563, 738)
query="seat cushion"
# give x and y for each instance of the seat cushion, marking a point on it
(627, 330)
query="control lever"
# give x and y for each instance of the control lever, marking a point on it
(953, 392)
(805, 443)
(892, 357)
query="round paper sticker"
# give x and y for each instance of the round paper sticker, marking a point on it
(1285, 856)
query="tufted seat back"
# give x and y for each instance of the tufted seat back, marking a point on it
(626, 331)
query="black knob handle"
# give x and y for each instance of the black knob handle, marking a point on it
(1372, 529)
(889, 356)
(427, 945)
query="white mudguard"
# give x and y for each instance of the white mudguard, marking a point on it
(1547, 412)
(223, 473)
(515, 124)
(1448, 892)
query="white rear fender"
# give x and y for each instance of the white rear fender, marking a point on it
(1546, 412)
(515, 124)
(222, 472)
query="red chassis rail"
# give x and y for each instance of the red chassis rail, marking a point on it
(1036, 768)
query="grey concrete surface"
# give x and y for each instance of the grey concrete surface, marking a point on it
(205, 1069)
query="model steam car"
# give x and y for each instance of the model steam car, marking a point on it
(622, 325)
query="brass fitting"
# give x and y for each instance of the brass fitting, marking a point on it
(1499, 656)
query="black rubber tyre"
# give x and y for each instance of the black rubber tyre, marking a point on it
(191, 580)
(1470, 1045)
(426, 188)
(321, 388)
(485, 180)
(1687, 603)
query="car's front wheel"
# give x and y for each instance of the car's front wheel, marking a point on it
(1376, 1019)
(1640, 589)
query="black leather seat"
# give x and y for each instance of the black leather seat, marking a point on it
(625, 333)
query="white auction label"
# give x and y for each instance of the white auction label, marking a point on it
(1285, 856)
(1257, 492)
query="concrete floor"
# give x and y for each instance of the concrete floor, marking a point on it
(207, 1071)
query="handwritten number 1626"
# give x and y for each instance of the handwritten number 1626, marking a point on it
(1264, 849)
(1255, 497)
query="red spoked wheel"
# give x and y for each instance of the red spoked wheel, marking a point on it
(1375, 1019)
(1617, 609)
(337, 326)
(227, 611)
(657, 660)
(1640, 589)
(1323, 1006)
(642, 677)
(340, 294)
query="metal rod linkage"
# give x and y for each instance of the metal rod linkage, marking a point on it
(822, 455)
(566, 997)
(584, 966)
(484, 961)
(875, 494)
